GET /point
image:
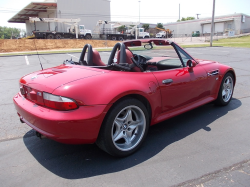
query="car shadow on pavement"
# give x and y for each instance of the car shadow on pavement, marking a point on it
(83, 161)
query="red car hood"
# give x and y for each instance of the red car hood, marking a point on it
(49, 79)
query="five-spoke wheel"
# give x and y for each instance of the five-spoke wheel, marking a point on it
(226, 90)
(124, 128)
(128, 128)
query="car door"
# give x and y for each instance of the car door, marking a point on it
(181, 86)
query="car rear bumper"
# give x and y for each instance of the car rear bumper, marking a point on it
(80, 126)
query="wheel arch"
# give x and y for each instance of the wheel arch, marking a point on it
(233, 73)
(222, 74)
(229, 70)
(137, 96)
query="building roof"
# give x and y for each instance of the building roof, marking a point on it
(31, 10)
(207, 20)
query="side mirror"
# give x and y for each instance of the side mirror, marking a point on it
(191, 63)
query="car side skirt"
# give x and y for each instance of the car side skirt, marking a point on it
(183, 109)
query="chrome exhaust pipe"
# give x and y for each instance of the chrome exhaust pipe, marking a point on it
(39, 135)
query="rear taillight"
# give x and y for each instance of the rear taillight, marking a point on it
(22, 90)
(58, 102)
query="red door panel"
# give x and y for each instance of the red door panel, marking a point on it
(181, 86)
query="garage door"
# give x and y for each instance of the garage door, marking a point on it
(206, 28)
(219, 27)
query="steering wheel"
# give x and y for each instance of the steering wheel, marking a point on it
(137, 61)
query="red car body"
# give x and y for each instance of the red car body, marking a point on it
(96, 90)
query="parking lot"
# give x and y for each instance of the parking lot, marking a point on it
(194, 148)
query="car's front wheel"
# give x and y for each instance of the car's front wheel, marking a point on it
(226, 90)
(124, 128)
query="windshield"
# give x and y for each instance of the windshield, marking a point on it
(156, 51)
(81, 27)
(141, 30)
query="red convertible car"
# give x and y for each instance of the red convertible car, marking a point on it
(113, 104)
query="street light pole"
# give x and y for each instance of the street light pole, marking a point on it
(139, 12)
(212, 26)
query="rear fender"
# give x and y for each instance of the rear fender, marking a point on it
(109, 88)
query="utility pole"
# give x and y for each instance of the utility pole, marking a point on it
(212, 26)
(179, 12)
(139, 11)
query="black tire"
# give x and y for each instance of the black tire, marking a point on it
(113, 38)
(50, 36)
(226, 90)
(133, 121)
(88, 37)
(121, 38)
(58, 36)
(146, 37)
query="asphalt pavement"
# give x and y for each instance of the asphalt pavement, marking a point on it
(208, 146)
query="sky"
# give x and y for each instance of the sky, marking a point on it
(147, 11)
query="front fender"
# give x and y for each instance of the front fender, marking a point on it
(225, 69)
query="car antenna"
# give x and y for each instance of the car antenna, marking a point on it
(38, 55)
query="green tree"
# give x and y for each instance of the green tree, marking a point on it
(145, 26)
(160, 25)
(8, 32)
(185, 19)
(190, 18)
(121, 28)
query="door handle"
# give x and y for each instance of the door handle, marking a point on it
(216, 72)
(167, 81)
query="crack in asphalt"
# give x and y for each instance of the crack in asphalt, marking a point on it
(9, 139)
(27, 135)
(6, 104)
(242, 75)
(213, 175)
(17, 69)
(241, 97)
(3, 80)
(242, 69)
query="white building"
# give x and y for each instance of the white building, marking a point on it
(240, 23)
(89, 11)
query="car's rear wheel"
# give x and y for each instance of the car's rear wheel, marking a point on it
(124, 128)
(226, 90)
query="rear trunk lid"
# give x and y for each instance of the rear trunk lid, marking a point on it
(33, 85)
